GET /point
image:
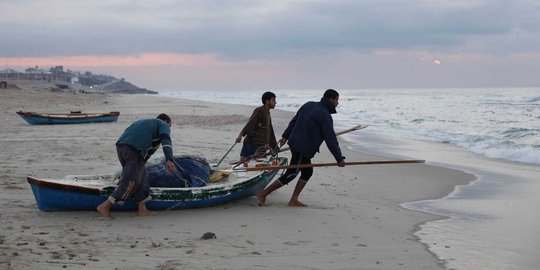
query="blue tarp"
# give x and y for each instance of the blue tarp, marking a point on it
(191, 171)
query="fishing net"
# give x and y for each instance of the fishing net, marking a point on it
(191, 171)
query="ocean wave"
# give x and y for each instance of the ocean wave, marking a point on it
(509, 151)
(533, 100)
(520, 133)
(494, 148)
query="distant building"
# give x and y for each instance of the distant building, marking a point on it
(35, 70)
(74, 80)
(57, 69)
(9, 71)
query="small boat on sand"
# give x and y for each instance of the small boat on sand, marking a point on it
(87, 192)
(75, 117)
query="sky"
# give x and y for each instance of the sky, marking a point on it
(168, 45)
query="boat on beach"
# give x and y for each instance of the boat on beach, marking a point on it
(87, 192)
(75, 117)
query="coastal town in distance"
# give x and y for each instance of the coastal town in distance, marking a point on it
(66, 80)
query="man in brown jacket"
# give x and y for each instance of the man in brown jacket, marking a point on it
(258, 131)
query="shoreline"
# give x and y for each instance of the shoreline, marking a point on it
(480, 214)
(462, 178)
(354, 219)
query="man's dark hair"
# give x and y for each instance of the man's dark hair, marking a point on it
(266, 96)
(164, 117)
(331, 94)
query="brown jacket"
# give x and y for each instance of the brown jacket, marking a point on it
(259, 130)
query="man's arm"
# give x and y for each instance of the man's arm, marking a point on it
(272, 139)
(166, 145)
(165, 139)
(329, 135)
(250, 126)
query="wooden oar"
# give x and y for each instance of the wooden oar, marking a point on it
(269, 168)
(351, 129)
(337, 133)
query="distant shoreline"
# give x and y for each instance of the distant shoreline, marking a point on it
(61, 86)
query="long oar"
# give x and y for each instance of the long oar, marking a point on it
(269, 168)
(351, 129)
(225, 155)
(337, 133)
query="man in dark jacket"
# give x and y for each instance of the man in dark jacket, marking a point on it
(138, 142)
(311, 125)
(258, 131)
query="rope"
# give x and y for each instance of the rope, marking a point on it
(186, 182)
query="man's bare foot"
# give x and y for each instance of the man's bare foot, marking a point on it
(296, 204)
(261, 198)
(104, 210)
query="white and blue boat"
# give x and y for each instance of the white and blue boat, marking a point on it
(67, 118)
(87, 192)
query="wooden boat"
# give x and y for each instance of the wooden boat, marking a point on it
(87, 192)
(67, 118)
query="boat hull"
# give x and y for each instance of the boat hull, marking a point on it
(52, 196)
(52, 119)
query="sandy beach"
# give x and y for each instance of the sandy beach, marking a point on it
(354, 219)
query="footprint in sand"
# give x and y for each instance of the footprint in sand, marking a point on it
(295, 243)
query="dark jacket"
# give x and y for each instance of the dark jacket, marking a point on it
(146, 135)
(312, 125)
(259, 130)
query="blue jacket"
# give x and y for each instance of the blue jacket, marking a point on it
(146, 135)
(312, 125)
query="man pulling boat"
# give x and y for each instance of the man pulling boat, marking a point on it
(306, 131)
(138, 142)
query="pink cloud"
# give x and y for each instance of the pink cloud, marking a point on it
(143, 60)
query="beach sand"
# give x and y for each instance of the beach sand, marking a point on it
(354, 220)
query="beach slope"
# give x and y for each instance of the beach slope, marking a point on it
(353, 221)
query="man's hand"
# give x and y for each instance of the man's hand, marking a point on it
(170, 166)
(341, 163)
(239, 138)
(282, 141)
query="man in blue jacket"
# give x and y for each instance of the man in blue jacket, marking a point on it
(138, 142)
(311, 125)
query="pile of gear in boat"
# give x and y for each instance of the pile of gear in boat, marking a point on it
(191, 171)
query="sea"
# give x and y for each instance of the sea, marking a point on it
(492, 133)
